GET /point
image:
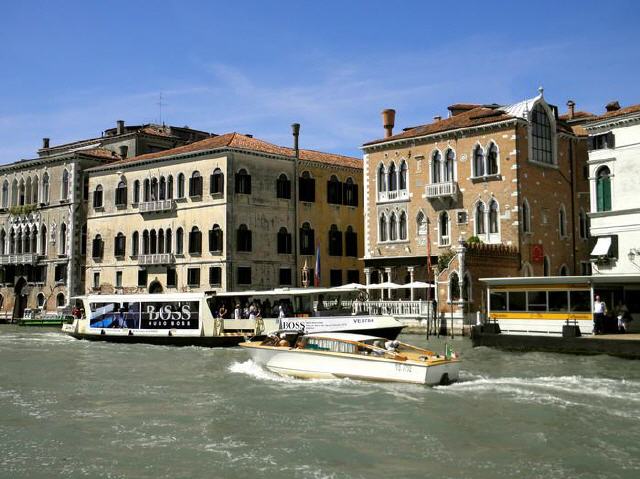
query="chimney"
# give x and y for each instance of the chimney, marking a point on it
(437, 118)
(572, 109)
(45, 143)
(119, 127)
(388, 121)
(124, 149)
(613, 106)
(295, 129)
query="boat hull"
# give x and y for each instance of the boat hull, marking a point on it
(203, 341)
(314, 365)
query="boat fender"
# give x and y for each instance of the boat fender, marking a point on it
(170, 333)
(102, 332)
(130, 333)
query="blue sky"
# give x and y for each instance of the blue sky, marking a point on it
(71, 69)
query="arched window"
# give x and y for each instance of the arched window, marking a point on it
(334, 191)
(27, 192)
(478, 161)
(494, 219)
(454, 287)
(562, 222)
(335, 241)
(3, 241)
(41, 300)
(154, 189)
(97, 197)
(35, 192)
(351, 242)
(64, 190)
(97, 247)
(120, 246)
(217, 182)
(135, 244)
(43, 240)
(392, 179)
(307, 239)
(443, 232)
(146, 193)
(244, 240)
(170, 187)
(603, 189)
(12, 241)
(382, 179)
(5, 194)
(167, 241)
(403, 225)
(526, 217)
(421, 224)
(546, 266)
(584, 225)
(403, 175)
(62, 247)
(26, 244)
(382, 234)
(180, 186)
(21, 194)
(136, 191)
(564, 270)
(492, 159)
(284, 241)
(436, 167)
(480, 219)
(153, 242)
(195, 184)
(145, 242)
(121, 193)
(243, 182)
(541, 135)
(163, 188)
(393, 228)
(161, 241)
(195, 241)
(45, 188)
(60, 300)
(14, 193)
(449, 165)
(215, 239)
(307, 187)
(350, 192)
(179, 241)
(283, 187)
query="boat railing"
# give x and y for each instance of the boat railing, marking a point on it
(393, 308)
(334, 304)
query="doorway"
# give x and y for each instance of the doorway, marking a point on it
(155, 288)
(21, 299)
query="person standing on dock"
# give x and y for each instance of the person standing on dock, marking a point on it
(599, 310)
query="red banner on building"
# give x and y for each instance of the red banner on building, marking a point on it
(537, 253)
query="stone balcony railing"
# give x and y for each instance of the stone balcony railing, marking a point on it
(157, 206)
(156, 259)
(394, 195)
(442, 190)
(21, 258)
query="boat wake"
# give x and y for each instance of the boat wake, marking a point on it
(253, 369)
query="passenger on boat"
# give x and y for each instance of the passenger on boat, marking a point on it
(392, 346)
(236, 312)
(222, 312)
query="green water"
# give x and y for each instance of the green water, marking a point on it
(78, 409)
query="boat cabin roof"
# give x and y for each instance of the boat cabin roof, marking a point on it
(132, 298)
(359, 338)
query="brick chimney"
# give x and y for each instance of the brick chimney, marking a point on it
(45, 143)
(119, 127)
(388, 121)
(437, 118)
(295, 130)
(572, 109)
(612, 106)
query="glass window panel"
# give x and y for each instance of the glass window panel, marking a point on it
(558, 301)
(537, 300)
(517, 301)
(580, 301)
(498, 300)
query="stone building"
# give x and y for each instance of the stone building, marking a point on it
(496, 190)
(43, 211)
(227, 213)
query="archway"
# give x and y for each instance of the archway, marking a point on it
(155, 288)
(21, 299)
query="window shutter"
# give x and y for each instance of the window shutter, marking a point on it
(599, 194)
(212, 184)
(355, 195)
(250, 246)
(606, 194)
(611, 140)
(211, 240)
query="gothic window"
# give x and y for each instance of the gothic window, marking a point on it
(492, 159)
(14, 192)
(421, 224)
(35, 192)
(5, 194)
(283, 187)
(393, 227)
(64, 192)
(454, 287)
(584, 225)
(480, 219)
(383, 228)
(443, 233)
(603, 189)
(21, 193)
(541, 135)
(449, 165)
(403, 225)
(244, 239)
(382, 178)
(478, 161)
(62, 247)
(392, 180)
(403, 175)
(436, 167)
(562, 222)
(43, 240)
(493, 217)
(307, 239)
(215, 239)
(526, 217)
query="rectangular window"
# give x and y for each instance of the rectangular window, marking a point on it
(558, 301)
(195, 186)
(142, 278)
(193, 277)
(334, 191)
(61, 273)
(580, 301)
(96, 280)
(351, 240)
(244, 275)
(118, 279)
(537, 300)
(335, 243)
(172, 278)
(307, 189)
(335, 277)
(498, 300)
(285, 277)
(517, 301)
(602, 142)
(215, 276)
(121, 196)
(353, 276)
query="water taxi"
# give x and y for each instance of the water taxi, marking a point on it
(355, 356)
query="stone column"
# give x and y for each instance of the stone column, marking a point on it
(388, 272)
(381, 280)
(367, 276)
(411, 270)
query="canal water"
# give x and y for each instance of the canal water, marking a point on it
(77, 409)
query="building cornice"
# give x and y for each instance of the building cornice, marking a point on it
(615, 122)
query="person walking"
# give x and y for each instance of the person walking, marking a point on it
(599, 311)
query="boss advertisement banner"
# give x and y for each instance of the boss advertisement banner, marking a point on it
(149, 315)
(330, 323)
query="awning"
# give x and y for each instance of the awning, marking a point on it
(602, 246)
(386, 285)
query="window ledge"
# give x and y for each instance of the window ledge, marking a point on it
(216, 252)
(215, 285)
(195, 197)
(181, 199)
(98, 208)
(179, 255)
(486, 178)
(121, 206)
(217, 196)
(553, 166)
(195, 254)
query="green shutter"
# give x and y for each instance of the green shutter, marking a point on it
(599, 194)
(606, 194)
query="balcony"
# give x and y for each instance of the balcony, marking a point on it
(22, 258)
(156, 259)
(442, 190)
(394, 195)
(156, 206)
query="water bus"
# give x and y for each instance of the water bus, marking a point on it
(356, 356)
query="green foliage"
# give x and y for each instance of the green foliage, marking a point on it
(22, 210)
(473, 240)
(444, 259)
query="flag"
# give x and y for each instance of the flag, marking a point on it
(316, 271)
(448, 351)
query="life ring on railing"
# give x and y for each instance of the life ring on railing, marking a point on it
(259, 327)
(218, 326)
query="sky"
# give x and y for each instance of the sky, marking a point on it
(70, 70)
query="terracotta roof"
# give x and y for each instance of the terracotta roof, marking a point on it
(156, 130)
(622, 111)
(475, 117)
(243, 142)
(576, 115)
(100, 153)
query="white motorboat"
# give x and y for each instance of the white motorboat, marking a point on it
(356, 356)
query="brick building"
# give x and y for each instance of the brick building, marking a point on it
(498, 190)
